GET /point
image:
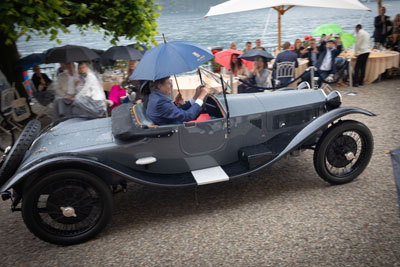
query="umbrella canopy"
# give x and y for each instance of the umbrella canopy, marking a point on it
(254, 54)
(224, 58)
(233, 6)
(122, 52)
(170, 58)
(396, 170)
(327, 29)
(347, 38)
(70, 53)
(32, 60)
(137, 46)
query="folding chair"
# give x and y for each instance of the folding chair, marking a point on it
(284, 70)
(7, 97)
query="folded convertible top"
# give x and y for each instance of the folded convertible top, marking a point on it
(130, 122)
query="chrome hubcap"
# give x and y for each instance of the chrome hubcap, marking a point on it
(68, 211)
(350, 156)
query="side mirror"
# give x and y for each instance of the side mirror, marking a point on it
(303, 85)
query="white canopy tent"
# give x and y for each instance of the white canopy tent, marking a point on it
(234, 6)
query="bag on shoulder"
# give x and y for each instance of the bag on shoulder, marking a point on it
(20, 108)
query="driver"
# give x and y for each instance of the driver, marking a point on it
(162, 111)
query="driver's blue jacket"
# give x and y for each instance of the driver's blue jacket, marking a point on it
(162, 110)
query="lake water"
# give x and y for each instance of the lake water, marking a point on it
(221, 30)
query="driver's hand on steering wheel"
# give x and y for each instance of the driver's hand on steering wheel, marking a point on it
(198, 91)
(203, 93)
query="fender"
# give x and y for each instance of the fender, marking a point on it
(80, 161)
(311, 129)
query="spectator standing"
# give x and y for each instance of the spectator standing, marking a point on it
(131, 68)
(396, 29)
(285, 56)
(233, 46)
(381, 24)
(298, 47)
(258, 45)
(247, 47)
(361, 52)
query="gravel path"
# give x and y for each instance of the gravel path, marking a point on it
(283, 216)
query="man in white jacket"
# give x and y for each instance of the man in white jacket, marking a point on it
(90, 97)
(362, 53)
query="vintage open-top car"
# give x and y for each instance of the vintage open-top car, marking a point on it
(66, 174)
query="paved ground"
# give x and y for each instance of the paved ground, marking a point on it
(283, 216)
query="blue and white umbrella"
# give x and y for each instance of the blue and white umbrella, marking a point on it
(32, 60)
(169, 59)
(396, 170)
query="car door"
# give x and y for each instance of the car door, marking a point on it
(202, 137)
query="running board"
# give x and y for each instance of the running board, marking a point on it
(210, 175)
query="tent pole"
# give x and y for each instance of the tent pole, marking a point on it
(379, 6)
(279, 27)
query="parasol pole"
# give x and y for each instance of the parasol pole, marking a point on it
(281, 11)
(379, 6)
(279, 27)
(176, 80)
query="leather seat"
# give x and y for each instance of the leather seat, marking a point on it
(141, 115)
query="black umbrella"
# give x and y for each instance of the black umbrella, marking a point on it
(254, 54)
(70, 53)
(138, 46)
(122, 52)
(32, 60)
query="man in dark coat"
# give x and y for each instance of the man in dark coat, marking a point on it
(382, 24)
(326, 61)
(162, 111)
(285, 56)
(40, 80)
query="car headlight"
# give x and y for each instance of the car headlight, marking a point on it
(333, 100)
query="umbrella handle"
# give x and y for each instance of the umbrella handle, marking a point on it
(177, 85)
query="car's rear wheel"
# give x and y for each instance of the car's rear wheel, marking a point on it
(67, 207)
(343, 152)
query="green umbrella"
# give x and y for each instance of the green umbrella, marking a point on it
(327, 29)
(348, 39)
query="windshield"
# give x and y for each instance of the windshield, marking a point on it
(213, 81)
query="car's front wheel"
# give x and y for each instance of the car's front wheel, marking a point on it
(343, 152)
(67, 207)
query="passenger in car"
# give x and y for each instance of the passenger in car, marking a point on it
(162, 111)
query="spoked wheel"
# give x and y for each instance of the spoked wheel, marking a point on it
(67, 207)
(343, 152)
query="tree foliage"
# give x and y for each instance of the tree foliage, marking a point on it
(128, 18)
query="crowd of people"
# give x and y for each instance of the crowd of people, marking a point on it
(323, 54)
(77, 90)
